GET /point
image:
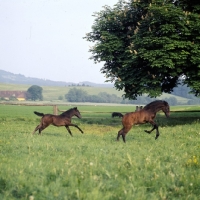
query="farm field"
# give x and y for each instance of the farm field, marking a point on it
(94, 165)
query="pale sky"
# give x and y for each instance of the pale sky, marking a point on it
(44, 39)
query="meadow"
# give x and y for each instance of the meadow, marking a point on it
(93, 165)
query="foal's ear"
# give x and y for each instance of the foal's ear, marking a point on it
(75, 108)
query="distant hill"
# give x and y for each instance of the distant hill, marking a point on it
(8, 77)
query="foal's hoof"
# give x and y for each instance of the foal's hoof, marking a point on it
(147, 131)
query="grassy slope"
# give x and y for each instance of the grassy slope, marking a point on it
(52, 93)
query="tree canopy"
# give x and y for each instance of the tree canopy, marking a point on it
(148, 46)
(35, 92)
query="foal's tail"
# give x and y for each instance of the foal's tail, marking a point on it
(39, 114)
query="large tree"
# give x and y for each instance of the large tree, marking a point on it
(148, 46)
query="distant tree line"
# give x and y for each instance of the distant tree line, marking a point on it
(79, 85)
(184, 91)
(79, 95)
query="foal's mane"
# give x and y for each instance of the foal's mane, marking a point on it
(68, 111)
(155, 104)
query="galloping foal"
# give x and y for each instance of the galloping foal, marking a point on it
(145, 115)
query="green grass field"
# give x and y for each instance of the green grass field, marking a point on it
(93, 165)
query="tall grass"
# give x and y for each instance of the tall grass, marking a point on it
(93, 165)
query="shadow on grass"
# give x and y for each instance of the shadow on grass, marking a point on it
(180, 118)
(54, 134)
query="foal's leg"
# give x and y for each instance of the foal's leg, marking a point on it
(155, 126)
(76, 127)
(68, 130)
(40, 127)
(37, 127)
(123, 133)
(119, 134)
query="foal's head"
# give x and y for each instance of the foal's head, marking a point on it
(76, 112)
(166, 109)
